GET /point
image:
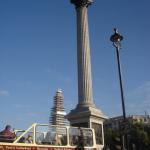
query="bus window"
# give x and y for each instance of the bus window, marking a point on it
(73, 136)
(88, 137)
(98, 133)
(80, 137)
(26, 137)
(51, 135)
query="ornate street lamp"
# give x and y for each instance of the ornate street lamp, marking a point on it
(116, 38)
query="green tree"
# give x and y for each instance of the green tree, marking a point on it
(138, 137)
(110, 137)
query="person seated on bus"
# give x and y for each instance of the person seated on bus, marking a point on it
(7, 133)
(29, 139)
(22, 140)
(57, 140)
(64, 140)
(47, 139)
(74, 140)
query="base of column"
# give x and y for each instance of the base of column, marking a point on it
(89, 117)
(81, 115)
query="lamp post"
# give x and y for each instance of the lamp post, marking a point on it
(116, 38)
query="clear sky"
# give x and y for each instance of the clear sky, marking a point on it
(38, 56)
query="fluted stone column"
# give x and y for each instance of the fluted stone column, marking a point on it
(85, 114)
(85, 93)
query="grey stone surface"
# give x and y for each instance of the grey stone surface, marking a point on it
(85, 93)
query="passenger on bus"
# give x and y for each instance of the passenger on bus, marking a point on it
(57, 140)
(22, 140)
(64, 140)
(7, 133)
(48, 138)
(29, 139)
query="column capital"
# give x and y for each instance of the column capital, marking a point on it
(81, 3)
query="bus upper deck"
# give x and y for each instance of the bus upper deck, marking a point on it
(40, 136)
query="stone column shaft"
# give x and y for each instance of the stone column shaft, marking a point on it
(85, 114)
(85, 93)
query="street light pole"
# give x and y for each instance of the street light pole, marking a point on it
(116, 38)
(120, 81)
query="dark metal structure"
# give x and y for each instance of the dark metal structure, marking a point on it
(116, 38)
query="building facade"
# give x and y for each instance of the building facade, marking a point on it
(116, 122)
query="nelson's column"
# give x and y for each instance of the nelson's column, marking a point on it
(85, 114)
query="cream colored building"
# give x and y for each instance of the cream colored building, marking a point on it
(116, 122)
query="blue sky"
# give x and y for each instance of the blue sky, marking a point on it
(38, 56)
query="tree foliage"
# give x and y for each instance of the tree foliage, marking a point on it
(138, 137)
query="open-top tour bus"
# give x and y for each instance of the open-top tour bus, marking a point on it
(46, 137)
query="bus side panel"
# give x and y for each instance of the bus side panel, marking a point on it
(13, 147)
